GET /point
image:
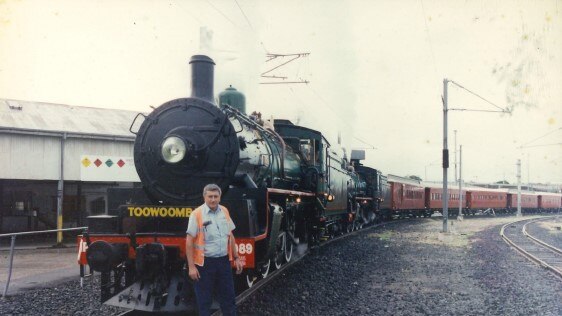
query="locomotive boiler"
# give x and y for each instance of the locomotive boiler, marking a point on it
(283, 184)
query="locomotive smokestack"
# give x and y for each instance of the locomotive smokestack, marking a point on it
(202, 76)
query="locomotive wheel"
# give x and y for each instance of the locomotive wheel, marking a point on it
(280, 250)
(250, 279)
(288, 250)
(369, 217)
(250, 275)
(288, 241)
(265, 269)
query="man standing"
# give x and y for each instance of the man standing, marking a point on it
(209, 246)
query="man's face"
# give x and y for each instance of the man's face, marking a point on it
(212, 199)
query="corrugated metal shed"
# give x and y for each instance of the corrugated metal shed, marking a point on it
(42, 116)
(32, 133)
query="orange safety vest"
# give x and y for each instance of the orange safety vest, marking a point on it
(199, 240)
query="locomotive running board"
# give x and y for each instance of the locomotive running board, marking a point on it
(178, 297)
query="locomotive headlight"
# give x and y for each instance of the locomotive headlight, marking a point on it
(173, 149)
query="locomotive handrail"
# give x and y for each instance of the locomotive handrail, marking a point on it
(134, 120)
(13, 244)
(267, 132)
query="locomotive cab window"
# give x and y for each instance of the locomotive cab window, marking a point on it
(310, 151)
(307, 151)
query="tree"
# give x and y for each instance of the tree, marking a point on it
(415, 178)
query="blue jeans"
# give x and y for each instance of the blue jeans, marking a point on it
(215, 276)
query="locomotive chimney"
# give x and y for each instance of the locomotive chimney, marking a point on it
(202, 76)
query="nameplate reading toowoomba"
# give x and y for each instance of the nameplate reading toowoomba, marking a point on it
(159, 211)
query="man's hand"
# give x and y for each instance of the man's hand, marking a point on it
(194, 273)
(238, 265)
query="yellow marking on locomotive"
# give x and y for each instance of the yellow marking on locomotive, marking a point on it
(152, 211)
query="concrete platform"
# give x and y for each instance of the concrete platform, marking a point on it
(38, 265)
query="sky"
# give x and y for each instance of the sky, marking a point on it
(375, 70)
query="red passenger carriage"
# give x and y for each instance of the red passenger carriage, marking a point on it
(406, 197)
(484, 199)
(434, 199)
(529, 201)
(550, 202)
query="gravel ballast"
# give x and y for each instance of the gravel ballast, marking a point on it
(412, 269)
(549, 231)
(403, 268)
(67, 298)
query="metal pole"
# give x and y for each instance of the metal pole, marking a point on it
(528, 172)
(456, 156)
(60, 190)
(12, 245)
(518, 188)
(82, 273)
(460, 184)
(445, 196)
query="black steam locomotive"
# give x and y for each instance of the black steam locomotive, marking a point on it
(283, 184)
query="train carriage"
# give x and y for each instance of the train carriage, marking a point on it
(434, 199)
(550, 202)
(486, 199)
(406, 197)
(529, 202)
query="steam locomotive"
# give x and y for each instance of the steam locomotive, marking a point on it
(283, 183)
(285, 187)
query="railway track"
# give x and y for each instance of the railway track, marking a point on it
(536, 250)
(272, 275)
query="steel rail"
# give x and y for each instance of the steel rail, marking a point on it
(527, 254)
(271, 276)
(533, 238)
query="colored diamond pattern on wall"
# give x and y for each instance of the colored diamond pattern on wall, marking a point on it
(97, 162)
(101, 168)
(86, 162)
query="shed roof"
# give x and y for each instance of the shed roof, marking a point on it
(43, 116)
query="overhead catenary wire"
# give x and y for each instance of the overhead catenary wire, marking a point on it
(338, 116)
(221, 13)
(244, 14)
(189, 12)
(429, 38)
(473, 110)
(545, 145)
(234, 24)
(540, 137)
(480, 97)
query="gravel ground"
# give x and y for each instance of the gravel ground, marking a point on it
(406, 268)
(411, 269)
(547, 231)
(64, 299)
